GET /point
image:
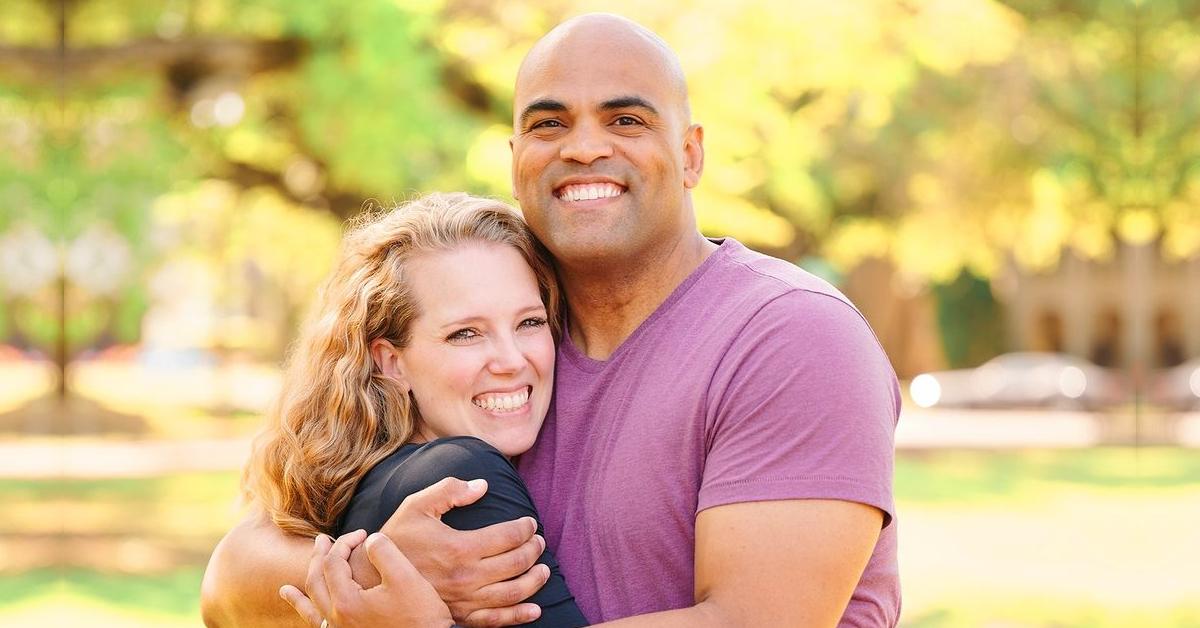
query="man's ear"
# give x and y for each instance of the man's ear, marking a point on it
(693, 155)
(512, 171)
(386, 357)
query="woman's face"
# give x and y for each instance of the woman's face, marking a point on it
(480, 360)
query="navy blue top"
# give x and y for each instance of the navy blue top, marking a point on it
(413, 467)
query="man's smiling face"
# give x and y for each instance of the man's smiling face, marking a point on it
(602, 150)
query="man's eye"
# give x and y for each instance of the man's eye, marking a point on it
(547, 124)
(462, 334)
(627, 121)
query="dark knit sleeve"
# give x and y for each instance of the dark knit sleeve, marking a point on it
(465, 458)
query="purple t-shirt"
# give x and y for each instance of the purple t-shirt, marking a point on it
(753, 381)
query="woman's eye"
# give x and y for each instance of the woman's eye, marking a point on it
(462, 334)
(533, 322)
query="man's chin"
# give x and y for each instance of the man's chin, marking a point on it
(599, 246)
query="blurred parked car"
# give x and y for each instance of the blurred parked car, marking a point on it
(1177, 387)
(1020, 380)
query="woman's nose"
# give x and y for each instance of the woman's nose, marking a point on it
(506, 356)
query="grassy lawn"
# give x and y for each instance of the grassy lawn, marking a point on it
(1050, 538)
(1044, 538)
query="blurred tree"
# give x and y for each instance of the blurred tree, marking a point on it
(947, 136)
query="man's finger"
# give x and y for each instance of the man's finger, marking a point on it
(499, 538)
(301, 604)
(393, 566)
(511, 592)
(495, 617)
(512, 563)
(440, 498)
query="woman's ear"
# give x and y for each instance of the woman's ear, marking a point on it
(386, 357)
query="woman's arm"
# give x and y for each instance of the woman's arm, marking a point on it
(256, 558)
(245, 572)
(506, 499)
(338, 597)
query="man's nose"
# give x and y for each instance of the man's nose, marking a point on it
(586, 143)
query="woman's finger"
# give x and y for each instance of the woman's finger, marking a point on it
(346, 544)
(301, 604)
(394, 568)
(314, 582)
(342, 587)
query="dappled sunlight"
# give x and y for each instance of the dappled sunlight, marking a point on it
(179, 400)
(22, 381)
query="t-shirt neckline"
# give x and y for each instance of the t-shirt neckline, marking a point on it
(569, 352)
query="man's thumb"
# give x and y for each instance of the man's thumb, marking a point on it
(447, 494)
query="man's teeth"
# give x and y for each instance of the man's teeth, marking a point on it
(503, 403)
(590, 191)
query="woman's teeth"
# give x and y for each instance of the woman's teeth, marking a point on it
(503, 403)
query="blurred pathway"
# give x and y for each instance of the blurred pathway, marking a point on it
(107, 457)
(48, 458)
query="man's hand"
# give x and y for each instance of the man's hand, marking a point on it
(403, 599)
(482, 575)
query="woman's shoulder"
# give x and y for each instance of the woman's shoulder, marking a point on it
(463, 457)
(415, 466)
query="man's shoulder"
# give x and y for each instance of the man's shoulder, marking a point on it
(757, 280)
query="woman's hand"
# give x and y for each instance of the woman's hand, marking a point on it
(403, 599)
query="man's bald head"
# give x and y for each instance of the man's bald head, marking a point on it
(602, 35)
(604, 151)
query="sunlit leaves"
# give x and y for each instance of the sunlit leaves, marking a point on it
(27, 23)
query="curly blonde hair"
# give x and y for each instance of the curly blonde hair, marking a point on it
(337, 415)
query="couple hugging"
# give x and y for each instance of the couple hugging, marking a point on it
(669, 430)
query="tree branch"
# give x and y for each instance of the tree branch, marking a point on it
(234, 56)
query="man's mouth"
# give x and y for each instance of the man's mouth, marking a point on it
(503, 402)
(588, 191)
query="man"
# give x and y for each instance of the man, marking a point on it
(719, 452)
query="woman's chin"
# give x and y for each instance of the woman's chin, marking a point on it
(515, 444)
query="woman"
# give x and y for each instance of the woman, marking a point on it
(429, 354)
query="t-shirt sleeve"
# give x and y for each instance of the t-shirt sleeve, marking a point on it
(507, 498)
(804, 406)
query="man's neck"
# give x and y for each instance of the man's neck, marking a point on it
(607, 302)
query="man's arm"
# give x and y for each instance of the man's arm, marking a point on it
(774, 563)
(475, 571)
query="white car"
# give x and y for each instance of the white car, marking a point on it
(1177, 387)
(1026, 379)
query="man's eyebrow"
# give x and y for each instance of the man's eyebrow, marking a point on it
(628, 102)
(543, 104)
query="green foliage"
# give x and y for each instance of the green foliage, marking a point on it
(969, 320)
(949, 137)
